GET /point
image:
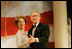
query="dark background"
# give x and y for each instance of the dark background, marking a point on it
(69, 8)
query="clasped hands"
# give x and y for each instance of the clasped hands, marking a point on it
(31, 39)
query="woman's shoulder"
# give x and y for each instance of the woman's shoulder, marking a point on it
(26, 32)
(18, 32)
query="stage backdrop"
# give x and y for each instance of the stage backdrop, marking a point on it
(24, 8)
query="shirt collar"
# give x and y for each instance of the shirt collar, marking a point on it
(37, 24)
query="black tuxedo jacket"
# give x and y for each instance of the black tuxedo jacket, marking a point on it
(42, 32)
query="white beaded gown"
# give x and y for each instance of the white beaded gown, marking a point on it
(21, 38)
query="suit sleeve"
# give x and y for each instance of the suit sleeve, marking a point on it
(45, 35)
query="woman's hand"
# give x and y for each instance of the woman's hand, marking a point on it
(31, 39)
(28, 41)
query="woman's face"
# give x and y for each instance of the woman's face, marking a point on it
(21, 23)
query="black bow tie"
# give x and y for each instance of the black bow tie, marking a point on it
(33, 26)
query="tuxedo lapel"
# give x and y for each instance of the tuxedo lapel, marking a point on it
(37, 31)
(39, 25)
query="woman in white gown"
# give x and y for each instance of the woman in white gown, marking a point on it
(21, 36)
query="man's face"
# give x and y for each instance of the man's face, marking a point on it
(35, 17)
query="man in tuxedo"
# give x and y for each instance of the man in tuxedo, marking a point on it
(39, 33)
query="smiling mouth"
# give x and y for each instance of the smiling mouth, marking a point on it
(21, 25)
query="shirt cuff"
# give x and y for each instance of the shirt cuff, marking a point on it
(37, 39)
